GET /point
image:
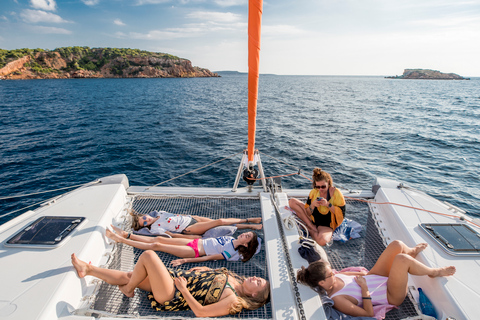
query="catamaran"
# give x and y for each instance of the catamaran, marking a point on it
(39, 282)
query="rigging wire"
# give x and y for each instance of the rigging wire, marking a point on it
(43, 201)
(233, 155)
(40, 192)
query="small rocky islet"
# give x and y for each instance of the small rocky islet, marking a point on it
(85, 62)
(427, 74)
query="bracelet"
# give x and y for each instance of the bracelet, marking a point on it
(129, 234)
(247, 220)
(367, 298)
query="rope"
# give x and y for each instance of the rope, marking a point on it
(35, 193)
(284, 175)
(233, 155)
(406, 206)
(411, 207)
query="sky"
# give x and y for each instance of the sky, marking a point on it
(299, 37)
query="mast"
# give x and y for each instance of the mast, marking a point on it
(250, 155)
(255, 8)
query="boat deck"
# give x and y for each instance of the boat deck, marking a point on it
(110, 302)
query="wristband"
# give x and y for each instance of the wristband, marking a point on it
(367, 298)
(129, 234)
(329, 205)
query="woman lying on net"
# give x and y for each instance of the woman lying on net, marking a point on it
(355, 293)
(196, 250)
(207, 292)
(161, 222)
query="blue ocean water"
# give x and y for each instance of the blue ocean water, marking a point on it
(60, 133)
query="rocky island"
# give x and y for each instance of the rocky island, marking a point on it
(427, 74)
(85, 62)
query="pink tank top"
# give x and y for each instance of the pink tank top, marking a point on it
(377, 286)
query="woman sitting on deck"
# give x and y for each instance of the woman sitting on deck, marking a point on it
(355, 293)
(196, 250)
(160, 222)
(208, 293)
(324, 210)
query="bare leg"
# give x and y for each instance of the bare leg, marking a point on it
(201, 227)
(175, 246)
(384, 263)
(322, 235)
(299, 208)
(404, 264)
(183, 236)
(151, 266)
(113, 277)
(252, 226)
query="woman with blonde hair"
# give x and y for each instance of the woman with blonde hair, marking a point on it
(208, 293)
(324, 210)
(161, 222)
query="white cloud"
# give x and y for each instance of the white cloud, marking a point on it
(3, 18)
(50, 30)
(142, 2)
(224, 17)
(230, 3)
(91, 2)
(119, 22)
(48, 5)
(167, 34)
(35, 16)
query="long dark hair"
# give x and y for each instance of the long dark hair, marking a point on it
(313, 274)
(248, 251)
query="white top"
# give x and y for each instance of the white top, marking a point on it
(221, 245)
(169, 222)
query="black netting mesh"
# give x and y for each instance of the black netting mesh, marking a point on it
(110, 300)
(363, 251)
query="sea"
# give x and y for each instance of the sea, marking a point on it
(58, 134)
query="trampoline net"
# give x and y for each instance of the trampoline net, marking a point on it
(364, 251)
(109, 301)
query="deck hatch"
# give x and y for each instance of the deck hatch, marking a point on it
(454, 238)
(47, 231)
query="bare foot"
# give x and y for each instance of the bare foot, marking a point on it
(126, 292)
(119, 231)
(80, 266)
(417, 249)
(254, 220)
(115, 237)
(443, 272)
(255, 226)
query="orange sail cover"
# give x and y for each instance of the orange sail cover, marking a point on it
(255, 8)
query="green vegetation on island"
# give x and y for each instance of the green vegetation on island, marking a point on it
(427, 74)
(85, 62)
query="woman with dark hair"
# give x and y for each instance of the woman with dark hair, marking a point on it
(196, 250)
(355, 293)
(324, 210)
(208, 293)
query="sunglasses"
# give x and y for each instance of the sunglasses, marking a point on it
(321, 187)
(145, 222)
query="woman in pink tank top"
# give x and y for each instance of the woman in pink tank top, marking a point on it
(355, 293)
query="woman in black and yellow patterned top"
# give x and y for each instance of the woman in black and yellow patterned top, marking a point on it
(324, 210)
(208, 293)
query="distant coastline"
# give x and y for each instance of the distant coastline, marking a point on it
(427, 74)
(85, 62)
